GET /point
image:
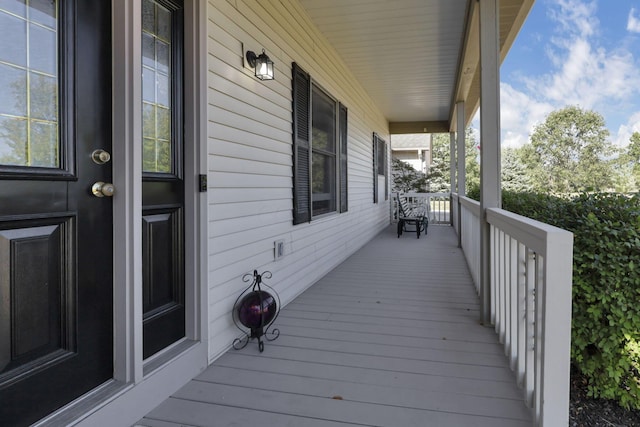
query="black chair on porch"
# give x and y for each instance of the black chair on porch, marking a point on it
(418, 216)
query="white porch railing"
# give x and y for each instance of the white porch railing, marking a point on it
(470, 237)
(530, 286)
(437, 204)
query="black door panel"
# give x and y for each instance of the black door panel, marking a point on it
(56, 279)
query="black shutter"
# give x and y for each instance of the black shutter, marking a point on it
(385, 166)
(342, 126)
(301, 147)
(375, 168)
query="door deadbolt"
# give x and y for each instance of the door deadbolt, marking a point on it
(103, 189)
(100, 156)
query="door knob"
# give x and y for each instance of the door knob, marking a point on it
(103, 189)
(100, 156)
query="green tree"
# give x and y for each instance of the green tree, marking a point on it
(514, 174)
(568, 153)
(472, 164)
(438, 178)
(405, 178)
(629, 161)
(439, 171)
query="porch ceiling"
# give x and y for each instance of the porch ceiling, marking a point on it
(416, 58)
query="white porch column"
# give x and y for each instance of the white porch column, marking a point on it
(490, 196)
(461, 157)
(462, 147)
(452, 169)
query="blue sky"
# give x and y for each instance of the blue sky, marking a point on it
(574, 52)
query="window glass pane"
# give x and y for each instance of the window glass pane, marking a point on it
(149, 154)
(156, 155)
(43, 12)
(163, 123)
(323, 184)
(13, 39)
(163, 22)
(13, 141)
(29, 85)
(323, 145)
(156, 88)
(323, 122)
(43, 143)
(148, 50)
(148, 16)
(148, 85)
(382, 157)
(13, 91)
(162, 55)
(148, 120)
(42, 49)
(163, 148)
(43, 97)
(162, 86)
(14, 6)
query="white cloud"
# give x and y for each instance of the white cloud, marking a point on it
(519, 114)
(590, 77)
(576, 17)
(587, 75)
(633, 23)
(583, 73)
(625, 131)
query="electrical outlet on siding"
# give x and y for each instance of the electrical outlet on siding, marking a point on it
(278, 249)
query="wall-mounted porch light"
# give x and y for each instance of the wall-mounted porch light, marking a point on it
(262, 63)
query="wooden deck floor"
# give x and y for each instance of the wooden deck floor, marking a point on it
(389, 338)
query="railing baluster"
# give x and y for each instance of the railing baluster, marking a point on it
(495, 305)
(530, 329)
(513, 302)
(503, 287)
(522, 314)
(540, 297)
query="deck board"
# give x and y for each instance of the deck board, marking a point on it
(393, 331)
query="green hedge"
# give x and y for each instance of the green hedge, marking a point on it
(606, 285)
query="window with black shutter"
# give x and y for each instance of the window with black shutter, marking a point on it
(319, 150)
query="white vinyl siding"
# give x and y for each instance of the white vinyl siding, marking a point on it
(250, 158)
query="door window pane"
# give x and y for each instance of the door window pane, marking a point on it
(42, 49)
(43, 93)
(13, 40)
(13, 91)
(156, 88)
(43, 12)
(13, 140)
(17, 7)
(43, 138)
(29, 83)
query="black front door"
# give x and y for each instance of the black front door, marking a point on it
(56, 321)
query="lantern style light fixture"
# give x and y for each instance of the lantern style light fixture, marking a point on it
(262, 64)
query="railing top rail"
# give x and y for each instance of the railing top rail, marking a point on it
(532, 233)
(470, 204)
(416, 194)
